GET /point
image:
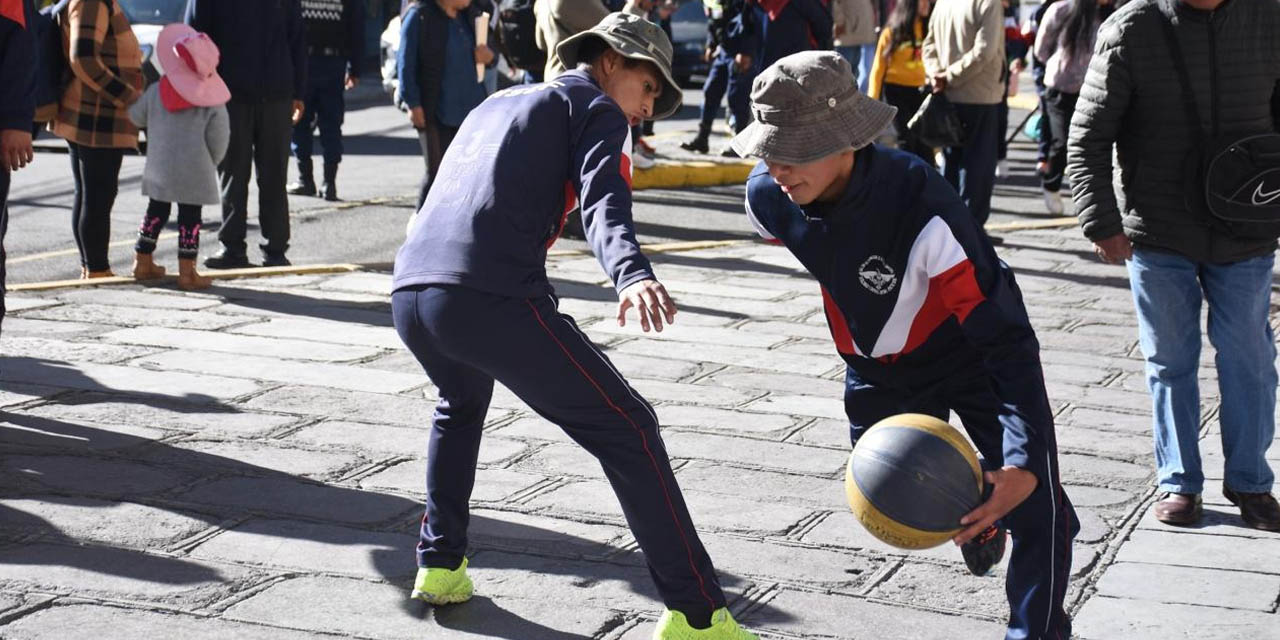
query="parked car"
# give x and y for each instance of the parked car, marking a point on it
(688, 40)
(148, 17)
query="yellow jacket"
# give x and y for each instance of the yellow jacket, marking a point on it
(902, 66)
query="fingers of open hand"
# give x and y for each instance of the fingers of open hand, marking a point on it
(668, 305)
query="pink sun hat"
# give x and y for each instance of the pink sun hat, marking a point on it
(189, 59)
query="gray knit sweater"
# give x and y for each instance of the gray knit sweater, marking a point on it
(183, 149)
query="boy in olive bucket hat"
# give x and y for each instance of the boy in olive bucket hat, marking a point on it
(472, 302)
(926, 317)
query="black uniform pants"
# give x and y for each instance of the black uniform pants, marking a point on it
(260, 133)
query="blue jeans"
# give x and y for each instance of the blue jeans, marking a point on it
(861, 59)
(1167, 290)
(724, 77)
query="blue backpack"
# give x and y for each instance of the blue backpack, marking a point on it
(52, 70)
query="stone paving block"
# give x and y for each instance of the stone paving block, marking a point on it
(1076, 374)
(825, 433)
(1085, 343)
(764, 486)
(22, 326)
(1093, 528)
(681, 333)
(1184, 585)
(1089, 496)
(740, 514)
(392, 440)
(1080, 469)
(108, 622)
(651, 367)
(484, 618)
(804, 405)
(246, 457)
(725, 420)
(14, 304)
(279, 545)
(231, 343)
(779, 282)
(805, 614)
(1104, 618)
(262, 368)
(401, 361)
(383, 337)
(1135, 423)
(1083, 439)
(543, 535)
(101, 314)
(1102, 397)
(502, 576)
(375, 283)
(190, 387)
(561, 459)
(492, 485)
(755, 453)
(1196, 550)
(781, 383)
(117, 573)
(84, 476)
(88, 409)
(842, 530)
(119, 524)
(693, 289)
(768, 561)
(145, 299)
(950, 588)
(68, 351)
(410, 410)
(284, 495)
(336, 605)
(700, 394)
(739, 356)
(807, 346)
(312, 305)
(12, 393)
(55, 436)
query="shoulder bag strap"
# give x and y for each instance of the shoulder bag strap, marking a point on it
(1184, 78)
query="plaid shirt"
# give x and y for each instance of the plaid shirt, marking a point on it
(106, 64)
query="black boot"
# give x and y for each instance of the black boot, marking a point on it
(330, 186)
(306, 184)
(699, 142)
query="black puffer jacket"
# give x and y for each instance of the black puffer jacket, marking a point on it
(1132, 97)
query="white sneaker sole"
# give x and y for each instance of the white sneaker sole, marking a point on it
(431, 598)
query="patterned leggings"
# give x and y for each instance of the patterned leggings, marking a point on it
(188, 228)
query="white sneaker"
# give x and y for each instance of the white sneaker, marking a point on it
(1053, 202)
(641, 161)
(1002, 169)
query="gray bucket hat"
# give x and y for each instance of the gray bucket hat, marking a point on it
(635, 38)
(807, 107)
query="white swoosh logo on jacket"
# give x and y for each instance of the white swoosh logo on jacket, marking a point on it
(1260, 198)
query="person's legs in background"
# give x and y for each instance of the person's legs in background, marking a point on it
(302, 142)
(99, 177)
(908, 101)
(713, 90)
(233, 174)
(866, 58)
(153, 221)
(1060, 107)
(1002, 132)
(331, 107)
(4, 227)
(971, 168)
(77, 200)
(852, 55)
(271, 164)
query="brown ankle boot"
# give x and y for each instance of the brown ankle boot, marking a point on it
(188, 278)
(105, 273)
(145, 268)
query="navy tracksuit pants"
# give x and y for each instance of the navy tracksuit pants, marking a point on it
(723, 77)
(1042, 527)
(324, 107)
(465, 339)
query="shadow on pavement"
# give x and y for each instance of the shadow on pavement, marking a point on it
(280, 520)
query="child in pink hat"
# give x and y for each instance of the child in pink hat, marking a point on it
(187, 135)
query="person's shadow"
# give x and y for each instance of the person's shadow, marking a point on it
(54, 464)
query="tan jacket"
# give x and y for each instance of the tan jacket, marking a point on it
(858, 20)
(559, 19)
(106, 67)
(966, 44)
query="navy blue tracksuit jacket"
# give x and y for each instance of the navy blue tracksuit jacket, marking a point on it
(472, 302)
(929, 320)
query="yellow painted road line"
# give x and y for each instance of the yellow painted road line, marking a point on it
(225, 274)
(1052, 223)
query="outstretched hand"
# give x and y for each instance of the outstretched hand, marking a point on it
(1010, 486)
(651, 302)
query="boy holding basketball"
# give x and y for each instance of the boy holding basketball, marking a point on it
(927, 318)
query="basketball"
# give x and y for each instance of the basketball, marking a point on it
(910, 479)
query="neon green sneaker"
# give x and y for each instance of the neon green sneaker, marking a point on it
(442, 586)
(673, 626)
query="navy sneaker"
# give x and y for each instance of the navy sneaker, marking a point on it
(984, 550)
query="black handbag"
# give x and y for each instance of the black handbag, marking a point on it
(936, 122)
(1232, 179)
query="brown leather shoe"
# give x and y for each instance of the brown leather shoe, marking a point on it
(1259, 510)
(1180, 509)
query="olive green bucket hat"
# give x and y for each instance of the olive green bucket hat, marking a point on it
(807, 107)
(635, 38)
